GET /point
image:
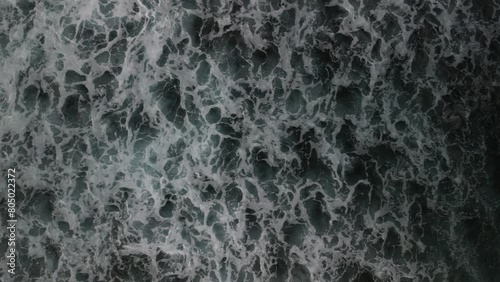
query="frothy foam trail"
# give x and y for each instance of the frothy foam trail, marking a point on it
(252, 140)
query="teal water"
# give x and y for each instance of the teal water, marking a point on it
(214, 140)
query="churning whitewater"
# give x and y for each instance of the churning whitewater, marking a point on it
(247, 140)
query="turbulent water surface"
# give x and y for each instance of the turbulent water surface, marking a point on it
(217, 140)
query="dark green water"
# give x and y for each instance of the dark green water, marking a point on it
(215, 140)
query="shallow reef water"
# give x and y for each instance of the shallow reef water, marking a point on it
(252, 140)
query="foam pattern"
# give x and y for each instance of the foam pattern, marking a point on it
(217, 140)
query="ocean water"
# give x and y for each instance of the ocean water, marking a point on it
(217, 140)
